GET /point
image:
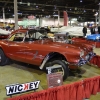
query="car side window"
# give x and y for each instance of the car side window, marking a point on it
(18, 37)
(30, 36)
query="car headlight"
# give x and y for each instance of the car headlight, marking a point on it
(87, 57)
(81, 53)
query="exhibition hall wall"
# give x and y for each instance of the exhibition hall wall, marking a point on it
(36, 21)
(43, 22)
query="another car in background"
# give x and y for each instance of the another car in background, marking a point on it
(72, 30)
(94, 37)
(4, 34)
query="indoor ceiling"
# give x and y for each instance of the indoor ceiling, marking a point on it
(84, 10)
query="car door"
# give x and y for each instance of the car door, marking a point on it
(30, 49)
(33, 56)
(16, 47)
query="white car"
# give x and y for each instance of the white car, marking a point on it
(4, 34)
(72, 30)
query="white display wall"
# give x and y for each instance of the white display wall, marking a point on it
(27, 22)
(10, 20)
(51, 21)
(44, 22)
(38, 22)
(41, 22)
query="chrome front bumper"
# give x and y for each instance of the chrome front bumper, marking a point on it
(86, 59)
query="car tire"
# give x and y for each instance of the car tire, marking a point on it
(3, 59)
(64, 67)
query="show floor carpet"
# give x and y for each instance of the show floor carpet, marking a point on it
(22, 73)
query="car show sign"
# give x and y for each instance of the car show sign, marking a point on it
(20, 88)
(31, 17)
(54, 78)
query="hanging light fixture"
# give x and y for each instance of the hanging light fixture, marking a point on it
(75, 8)
(28, 4)
(84, 10)
(21, 2)
(81, 1)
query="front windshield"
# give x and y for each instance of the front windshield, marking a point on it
(31, 35)
(36, 34)
(17, 37)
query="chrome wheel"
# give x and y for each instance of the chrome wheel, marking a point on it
(60, 67)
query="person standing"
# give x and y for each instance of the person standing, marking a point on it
(92, 29)
(84, 31)
(99, 29)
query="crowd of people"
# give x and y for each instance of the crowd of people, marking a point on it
(94, 29)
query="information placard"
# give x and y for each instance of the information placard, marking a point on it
(54, 79)
(54, 76)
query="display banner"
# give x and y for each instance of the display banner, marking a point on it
(31, 17)
(20, 88)
(65, 18)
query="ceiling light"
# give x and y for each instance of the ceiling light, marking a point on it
(20, 2)
(99, 3)
(96, 14)
(53, 12)
(55, 15)
(81, 1)
(28, 3)
(75, 8)
(84, 10)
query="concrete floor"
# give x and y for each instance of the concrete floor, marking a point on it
(22, 73)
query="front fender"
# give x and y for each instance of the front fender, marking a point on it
(50, 56)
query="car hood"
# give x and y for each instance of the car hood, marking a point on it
(64, 48)
(84, 46)
(49, 43)
(83, 43)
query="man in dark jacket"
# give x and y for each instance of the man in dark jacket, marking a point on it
(92, 30)
(99, 29)
(84, 31)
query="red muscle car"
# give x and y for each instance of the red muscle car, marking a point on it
(26, 46)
